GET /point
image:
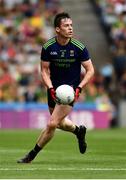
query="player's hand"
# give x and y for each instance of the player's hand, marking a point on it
(53, 95)
(77, 93)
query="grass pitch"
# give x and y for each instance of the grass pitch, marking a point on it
(105, 157)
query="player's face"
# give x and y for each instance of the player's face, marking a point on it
(66, 28)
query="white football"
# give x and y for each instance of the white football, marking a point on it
(65, 94)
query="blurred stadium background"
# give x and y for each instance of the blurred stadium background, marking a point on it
(24, 26)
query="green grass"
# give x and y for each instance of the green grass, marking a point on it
(105, 157)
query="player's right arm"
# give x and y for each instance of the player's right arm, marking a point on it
(45, 70)
(45, 74)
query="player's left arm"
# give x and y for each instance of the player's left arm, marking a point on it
(89, 72)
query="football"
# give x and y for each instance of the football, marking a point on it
(65, 94)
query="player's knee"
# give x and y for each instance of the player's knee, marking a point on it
(52, 125)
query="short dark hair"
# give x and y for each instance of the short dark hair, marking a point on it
(59, 17)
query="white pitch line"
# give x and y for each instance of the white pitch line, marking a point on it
(87, 169)
(17, 169)
(12, 150)
(63, 169)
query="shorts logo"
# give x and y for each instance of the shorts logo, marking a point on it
(53, 53)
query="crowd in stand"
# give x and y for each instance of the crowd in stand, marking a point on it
(24, 26)
(113, 19)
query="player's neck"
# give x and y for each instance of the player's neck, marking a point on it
(62, 41)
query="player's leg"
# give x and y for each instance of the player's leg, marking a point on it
(31, 155)
(80, 132)
(59, 113)
(66, 124)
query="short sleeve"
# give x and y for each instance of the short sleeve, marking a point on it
(84, 55)
(44, 54)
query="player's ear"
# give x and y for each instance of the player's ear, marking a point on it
(57, 29)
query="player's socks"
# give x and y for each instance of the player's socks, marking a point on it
(37, 149)
(30, 156)
(34, 151)
(76, 130)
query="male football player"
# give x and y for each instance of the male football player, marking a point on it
(61, 60)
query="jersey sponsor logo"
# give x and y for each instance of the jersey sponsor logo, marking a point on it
(53, 53)
(72, 53)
